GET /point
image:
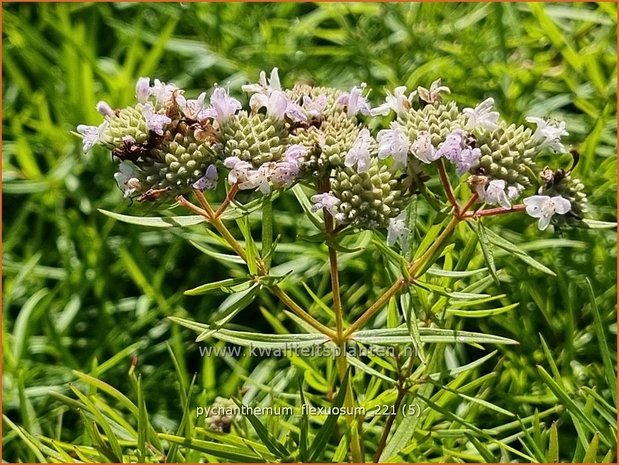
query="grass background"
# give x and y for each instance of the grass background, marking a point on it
(84, 293)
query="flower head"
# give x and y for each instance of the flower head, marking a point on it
(259, 179)
(434, 94)
(105, 109)
(482, 116)
(548, 133)
(127, 178)
(544, 207)
(397, 102)
(222, 106)
(92, 135)
(494, 194)
(154, 121)
(264, 87)
(315, 107)
(354, 102)
(393, 142)
(458, 152)
(239, 170)
(359, 153)
(142, 89)
(192, 109)
(328, 202)
(162, 92)
(208, 182)
(398, 231)
(423, 149)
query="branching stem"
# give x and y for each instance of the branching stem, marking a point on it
(209, 215)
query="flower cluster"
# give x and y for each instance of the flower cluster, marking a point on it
(168, 143)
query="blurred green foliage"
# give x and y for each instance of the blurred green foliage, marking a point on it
(82, 292)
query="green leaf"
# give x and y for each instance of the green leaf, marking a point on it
(230, 307)
(223, 451)
(328, 427)
(156, 221)
(267, 230)
(481, 448)
(486, 248)
(553, 444)
(142, 422)
(427, 335)
(594, 224)
(229, 285)
(304, 427)
(571, 406)
(481, 313)
(276, 448)
(306, 205)
(217, 255)
(592, 450)
(517, 252)
(258, 340)
(609, 366)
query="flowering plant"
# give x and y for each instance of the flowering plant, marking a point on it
(353, 169)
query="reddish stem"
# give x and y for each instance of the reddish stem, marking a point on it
(229, 198)
(495, 211)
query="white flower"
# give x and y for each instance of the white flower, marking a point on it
(222, 106)
(548, 133)
(162, 92)
(434, 94)
(154, 121)
(127, 179)
(326, 201)
(258, 179)
(208, 182)
(264, 87)
(315, 107)
(277, 104)
(395, 143)
(455, 149)
(105, 109)
(295, 153)
(423, 149)
(239, 170)
(482, 116)
(354, 101)
(544, 207)
(451, 147)
(192, 109)
(92, 135)
(397, 102)
(398, 231)
(359, 154)
(142, 89)
(513, 192)
(494, 194)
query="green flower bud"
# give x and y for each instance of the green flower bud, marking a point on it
(563, 184)
(507, 153)
(328, 144)
(255, 138)
(178, 162)
(439, 119)
(368, 199)
(126, 122)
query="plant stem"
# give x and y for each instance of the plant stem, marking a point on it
(442, 172)
(342, 362)
(496, 211)
(399, 284)
(208, 214)
(229, 198)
